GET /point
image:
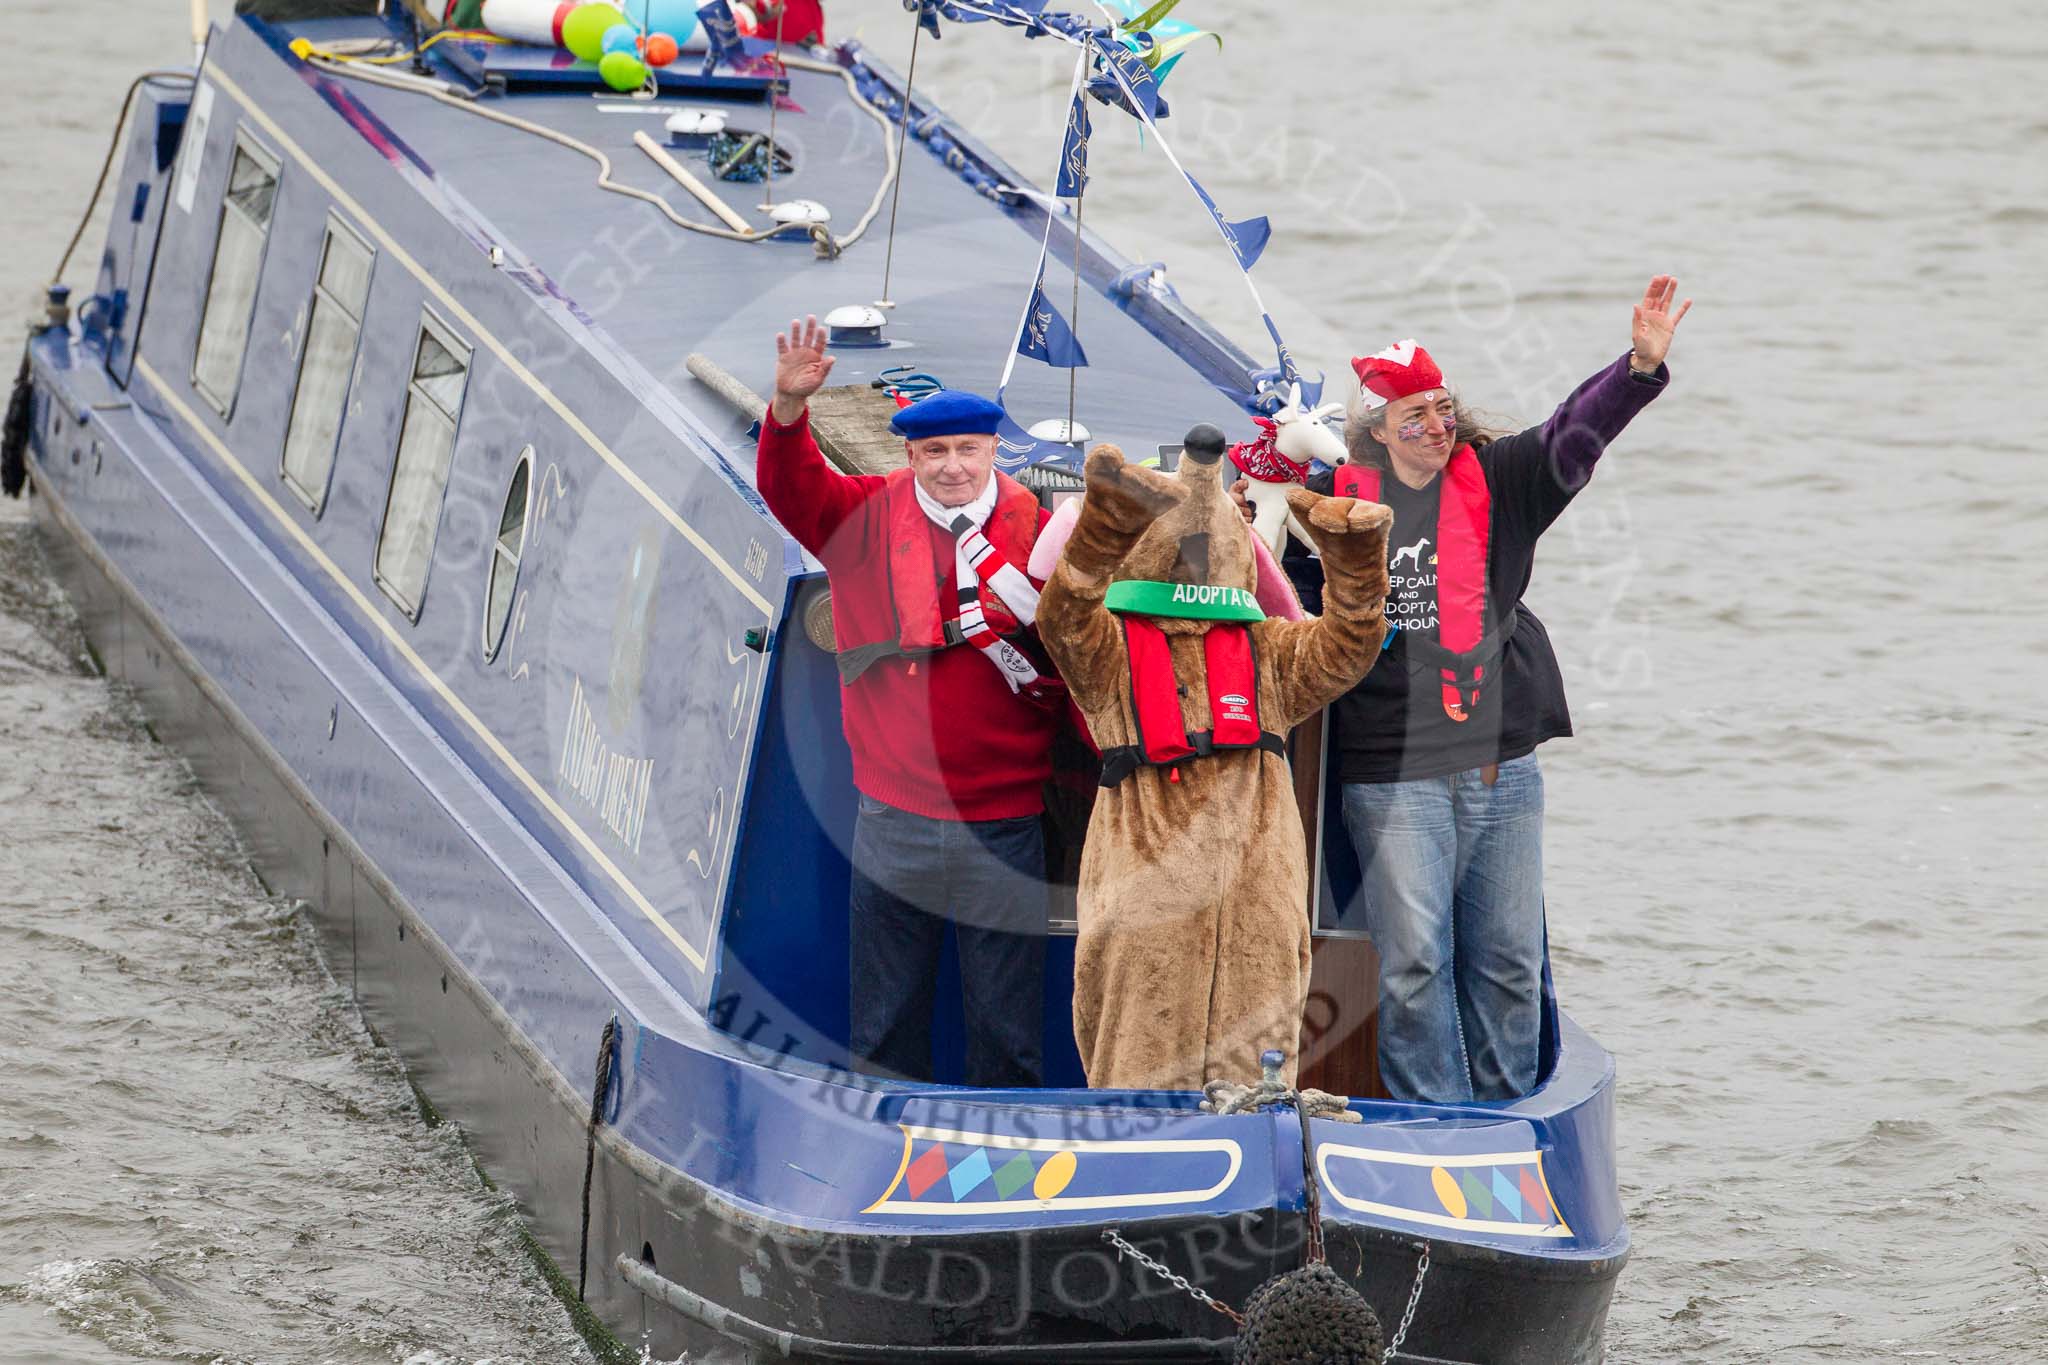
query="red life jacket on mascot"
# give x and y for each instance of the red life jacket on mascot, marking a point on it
(1232, 670)
(922, 629)
(1464, 649)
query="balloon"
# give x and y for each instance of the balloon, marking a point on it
(661, 49)
(670, 17)
(622, 71)
(677, 18)
(527, 21)
(583, 31)
(622, 38)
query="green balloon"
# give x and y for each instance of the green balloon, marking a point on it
(622, 71)
(583, 31)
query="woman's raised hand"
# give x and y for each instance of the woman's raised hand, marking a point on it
(1650, 338)
(801, 366)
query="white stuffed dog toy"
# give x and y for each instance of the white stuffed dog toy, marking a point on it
(1279, 459)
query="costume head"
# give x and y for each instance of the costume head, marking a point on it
(1202, 538)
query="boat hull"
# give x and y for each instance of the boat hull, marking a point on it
(1052, 1293)
(436, 803)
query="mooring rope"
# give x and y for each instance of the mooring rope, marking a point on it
(600, 1091)
(828, 246)
(20, 402)
(1229, 1097)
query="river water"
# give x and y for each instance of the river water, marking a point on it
(1796, 849)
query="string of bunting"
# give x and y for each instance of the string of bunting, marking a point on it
(1113, 73)
(1042, 334)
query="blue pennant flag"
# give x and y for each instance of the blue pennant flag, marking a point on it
(1138, 80)
(1074, 153)
(721, 35)
(1311, 389)
(1247, 239)
(1016, 447)
(929, 11)
(1046, 335)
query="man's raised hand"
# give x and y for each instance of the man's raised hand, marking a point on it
(801, 366)
(1650, 337)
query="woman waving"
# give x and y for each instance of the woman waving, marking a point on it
(1442, 795)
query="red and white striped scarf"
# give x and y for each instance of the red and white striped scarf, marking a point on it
(976, 562)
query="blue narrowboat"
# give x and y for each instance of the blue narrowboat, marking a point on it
(400, 461)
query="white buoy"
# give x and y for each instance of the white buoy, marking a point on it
(854, 324)
(1056, 429)
(538, 22)
(695, 123)
(799, 211)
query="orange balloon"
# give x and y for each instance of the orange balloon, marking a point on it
(661, 49)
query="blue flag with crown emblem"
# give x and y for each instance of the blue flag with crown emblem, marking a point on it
(1046, 335)
(1247, 239)
(1074, 153)
(721, 35)
(1131, 85)
(1286, 372)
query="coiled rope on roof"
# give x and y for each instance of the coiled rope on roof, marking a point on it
(828, 246)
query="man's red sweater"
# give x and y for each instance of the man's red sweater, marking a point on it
(941, 736)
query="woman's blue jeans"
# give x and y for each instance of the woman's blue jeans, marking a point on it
(1454, 902)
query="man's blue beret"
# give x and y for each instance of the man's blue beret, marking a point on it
(948, 412)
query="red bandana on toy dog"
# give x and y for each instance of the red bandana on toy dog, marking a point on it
(1262, 460)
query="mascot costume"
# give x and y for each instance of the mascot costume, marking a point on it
(1193, 955)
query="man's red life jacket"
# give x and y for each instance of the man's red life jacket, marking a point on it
(1463, 650)
(1163, 739)
(923, 626)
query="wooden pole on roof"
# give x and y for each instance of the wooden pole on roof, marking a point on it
(200, 25)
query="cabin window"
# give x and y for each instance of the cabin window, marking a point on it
(426, 444)
(504, 576)
(327, 365)
(237, 264)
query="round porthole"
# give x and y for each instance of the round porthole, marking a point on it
(505, 552)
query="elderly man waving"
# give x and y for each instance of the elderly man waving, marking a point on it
(949, 709)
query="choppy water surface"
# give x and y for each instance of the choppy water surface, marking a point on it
(203, 1156)
(1796, 850)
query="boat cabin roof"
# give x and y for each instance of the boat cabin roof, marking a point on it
(962, 258)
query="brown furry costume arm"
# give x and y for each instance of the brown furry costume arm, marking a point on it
(1077, 630)
(1320, 659)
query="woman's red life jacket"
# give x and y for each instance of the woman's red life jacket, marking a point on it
(1463, 650)
(1232, 671)
(922, 625)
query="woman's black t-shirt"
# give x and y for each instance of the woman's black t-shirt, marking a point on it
(1392, 727)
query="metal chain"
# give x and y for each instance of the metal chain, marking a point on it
(1311, 1193)
(1408, 1314)
(1123, 1248)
